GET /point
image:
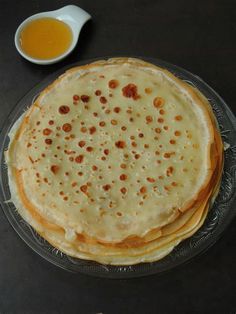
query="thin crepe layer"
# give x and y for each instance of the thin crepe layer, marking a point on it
(151, 243)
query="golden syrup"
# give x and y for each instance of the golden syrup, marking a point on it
(45, 38)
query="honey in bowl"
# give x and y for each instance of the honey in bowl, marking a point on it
(45, 38)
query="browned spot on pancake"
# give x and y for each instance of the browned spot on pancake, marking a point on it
(47, 131)
(178, 118)
(169, 171)
(149, 119)
(89, 149)
(84, 188)
(55, 168)
(31, 160)
(98, 92)
(123, 190)
(151, 180)
(64, 109)
(143, 189)
(92, 130)
(106, 151)
(79, 159)
(123, 128)
(75, 97)
(117, 109)
(148, 90)
(120, 144)
(130, 91)
(158, 102)
(102, 123)
(123, 166)
(83, 129)
(168, 155)
(95, 168)
(172, 142)
(67, 127)
(157, 130)
(137, 156)
(106, 187)
(85, 98)
(123, 177)
(113, 84)
(48, 141)
(114, 122)
(81, 144)
(160, 120)
(103, 100)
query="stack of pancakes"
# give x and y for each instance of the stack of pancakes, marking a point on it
(117, 161)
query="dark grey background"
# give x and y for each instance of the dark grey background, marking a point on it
(196, 35)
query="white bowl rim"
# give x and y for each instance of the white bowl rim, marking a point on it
(50, 14)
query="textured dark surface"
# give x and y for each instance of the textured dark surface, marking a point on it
(196, 35)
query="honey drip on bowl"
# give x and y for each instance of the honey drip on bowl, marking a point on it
(45, 38)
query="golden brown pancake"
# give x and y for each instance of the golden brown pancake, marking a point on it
(116, 161)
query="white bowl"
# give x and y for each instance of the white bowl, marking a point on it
(72, 15)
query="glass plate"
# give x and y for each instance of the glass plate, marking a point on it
(219, 217)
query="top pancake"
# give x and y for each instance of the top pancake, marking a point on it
(112, 150)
